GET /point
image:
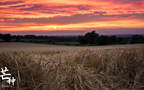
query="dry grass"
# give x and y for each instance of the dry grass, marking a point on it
(77, 69)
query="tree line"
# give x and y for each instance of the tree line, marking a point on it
(90, 38)
(93, 38)
(34, 38)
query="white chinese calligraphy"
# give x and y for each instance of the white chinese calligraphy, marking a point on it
(7, 76)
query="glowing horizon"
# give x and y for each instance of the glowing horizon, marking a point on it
(60, 15)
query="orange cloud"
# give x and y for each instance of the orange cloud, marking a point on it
(33, 15)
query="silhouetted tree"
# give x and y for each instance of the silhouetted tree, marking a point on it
(103, 40)
(17, 38)
(89, 38)
(82, 40)
(94, 38)
(137, 39)
(1, 36)
(29, 36)
(6, 37)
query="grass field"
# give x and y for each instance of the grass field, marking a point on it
(51, 67)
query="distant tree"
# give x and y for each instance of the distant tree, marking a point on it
(103, 40)
(29, 36)
(6, 37)
(89, 38)
(96, 39)
(121, 40)
(82, 40)
(17, 38)
(137, 39)
(1, 36)
(113, 39)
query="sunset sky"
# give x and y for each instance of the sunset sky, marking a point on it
(71, 16)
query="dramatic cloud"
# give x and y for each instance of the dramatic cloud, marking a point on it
(74, 19)
(8, 3)
(48, 15)
(101, 13)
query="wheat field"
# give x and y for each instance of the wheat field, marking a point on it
(50, 67)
